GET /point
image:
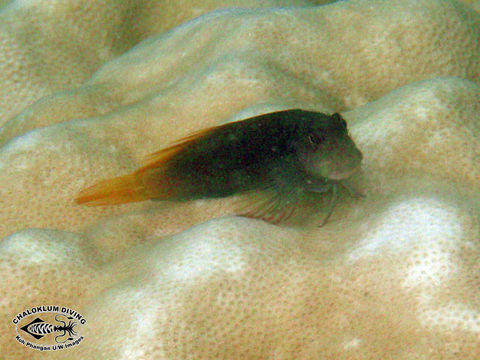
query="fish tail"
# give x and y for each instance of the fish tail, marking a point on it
(134, 187)
(149, 182)
(118, 190)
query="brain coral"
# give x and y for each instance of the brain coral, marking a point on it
(394, 275)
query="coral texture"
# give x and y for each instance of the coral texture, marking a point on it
(49, 46)
(394, 275)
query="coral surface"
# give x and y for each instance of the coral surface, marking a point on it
(394, 275)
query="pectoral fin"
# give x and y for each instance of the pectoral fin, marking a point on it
(268, 207)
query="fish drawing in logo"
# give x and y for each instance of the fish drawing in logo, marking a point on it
(285, 156)
(39, 328)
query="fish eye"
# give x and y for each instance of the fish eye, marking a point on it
(315, 139)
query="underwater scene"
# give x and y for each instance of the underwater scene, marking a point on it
(240, 179)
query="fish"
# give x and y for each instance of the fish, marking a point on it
(284, 155)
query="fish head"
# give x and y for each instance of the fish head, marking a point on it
(328, 151)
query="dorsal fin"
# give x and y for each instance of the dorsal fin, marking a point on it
(164, 155)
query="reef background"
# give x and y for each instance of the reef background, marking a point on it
(89, 88)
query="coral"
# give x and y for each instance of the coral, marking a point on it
(394, 275)
(54, 45)
(475, 4)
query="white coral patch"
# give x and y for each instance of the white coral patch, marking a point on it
(424, 232)
(453, 316)
(351, 343)
(205, 255)
(35, 248)
(144, 323)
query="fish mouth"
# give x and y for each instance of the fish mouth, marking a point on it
(342, 175)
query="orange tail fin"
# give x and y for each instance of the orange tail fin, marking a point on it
(141, 185)
(119, 190)
(148, 182)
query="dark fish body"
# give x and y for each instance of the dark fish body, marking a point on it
(279, 152)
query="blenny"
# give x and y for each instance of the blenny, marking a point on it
(285, 154)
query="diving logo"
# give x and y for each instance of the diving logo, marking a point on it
(49, 327)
